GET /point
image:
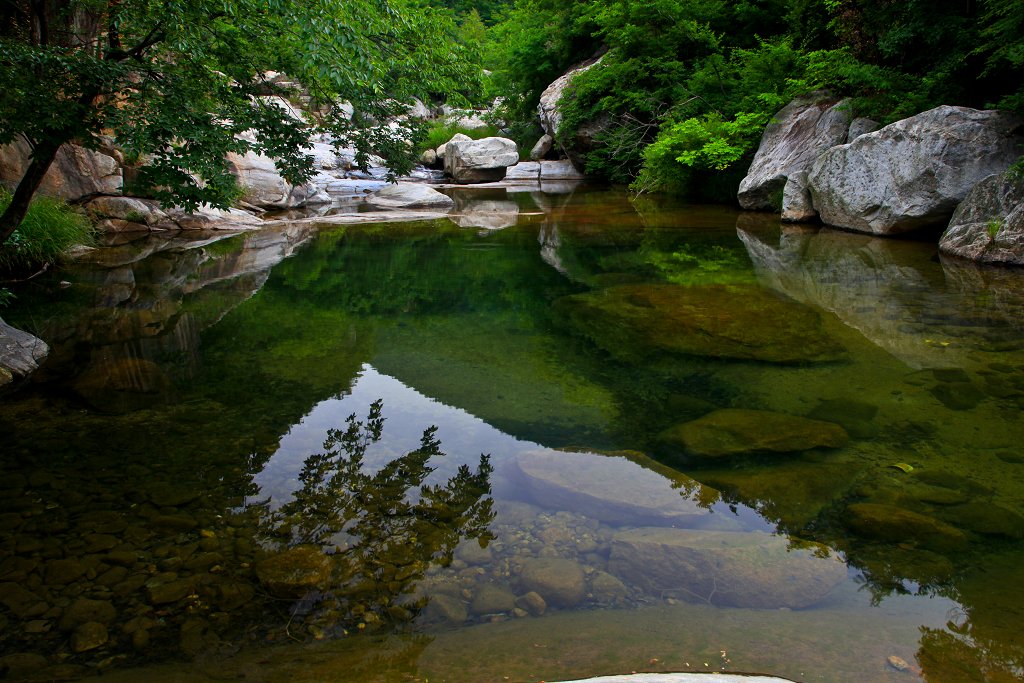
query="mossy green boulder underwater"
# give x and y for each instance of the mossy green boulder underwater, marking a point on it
(736, 322)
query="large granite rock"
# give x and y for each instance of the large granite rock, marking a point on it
(716, 321)
(442, 149)
(613, 488)
(733, 569)
(409, 196)
(988, 226)
(797, 205)
(798, 134)
(76, 172)
(20, 355)
(263, 186)
(734, 431)
(548, 111)
(541, 148)
(479, 161)
(912, 173)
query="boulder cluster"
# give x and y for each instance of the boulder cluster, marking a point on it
(947, 166)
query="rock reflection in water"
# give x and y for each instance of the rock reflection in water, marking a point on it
(383, 530)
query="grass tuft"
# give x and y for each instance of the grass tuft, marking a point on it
(50, 228)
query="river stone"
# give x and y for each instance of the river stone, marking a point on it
(22, 665)
(532, 603)
(681, 678)
(479, 161)
(492, 599)
(798, 133)
(912, 173)
(734, 431)
(524, 171)
(20, 355)
(883, 522)
(611, 488)
(559, 581)
(718, 321)
(61, 572)
(263, 185)
(445, 609)
(295, 571)
(409, 196)
(22, 602)
(990, 519)
(988, 226)
(84, 610)
(162, 593)
(734, 569)
(606, 588)
(797, 206)
(88, 636)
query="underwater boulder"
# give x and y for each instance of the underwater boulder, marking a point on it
(740, 322)
(734, 431)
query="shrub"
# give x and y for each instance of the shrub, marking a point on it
(440, 132)
(46, 233)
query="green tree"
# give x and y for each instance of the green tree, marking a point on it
(177, 83)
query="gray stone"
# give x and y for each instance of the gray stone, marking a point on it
(525, 171)
(428, 158)
(20, 355)
(548, 109)
(988, 226)
(861, 126)
(798, 134)
(606, 588)
(734, 569)
(442, 150)
(613, 488)
(542, 147)
(478, 161)
(559, 581)
(797, 206)
(912, 173)
(733, 431)
(409, 196)
(263, 185)
(559, 170)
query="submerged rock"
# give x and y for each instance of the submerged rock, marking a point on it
(717, 321)
(734, 569)
(894, 524)
(734, 431)
(560, 582)
(612, 488)
(294, 571)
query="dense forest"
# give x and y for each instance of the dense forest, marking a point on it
(685, 87)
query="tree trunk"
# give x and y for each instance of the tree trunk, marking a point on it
(42, 156)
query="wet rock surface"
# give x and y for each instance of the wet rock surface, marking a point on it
(716, 321)
(733, 431)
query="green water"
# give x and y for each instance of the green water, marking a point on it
(184, 495)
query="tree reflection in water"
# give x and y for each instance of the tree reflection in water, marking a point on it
(380, 530)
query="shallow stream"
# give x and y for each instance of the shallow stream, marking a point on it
(668, 438)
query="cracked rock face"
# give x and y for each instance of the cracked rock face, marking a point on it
(20, 355)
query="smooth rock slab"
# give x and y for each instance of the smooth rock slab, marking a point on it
(611, 488)
(734, 569)
(734, 431)
(912, 173)
(409, 196)
(988, 226)
(716, 321)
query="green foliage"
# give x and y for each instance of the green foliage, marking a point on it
(178, 83)
(993, 227)
(49, 229)
(437, 133)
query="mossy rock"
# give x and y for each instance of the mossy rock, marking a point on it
(881, 522)
(295, 571)
(734, 431)
(718, 321)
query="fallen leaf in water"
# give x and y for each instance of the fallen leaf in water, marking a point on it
(902, 466)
